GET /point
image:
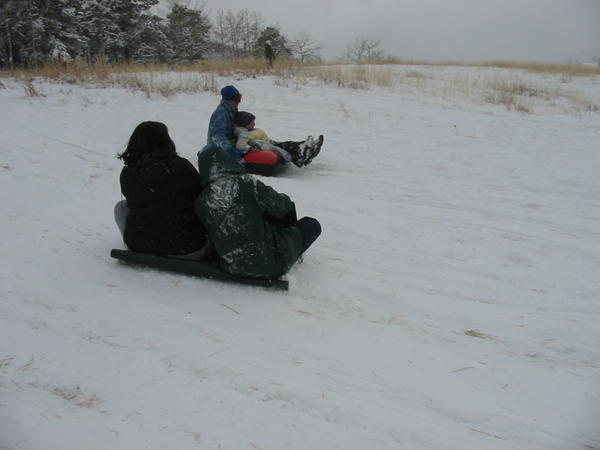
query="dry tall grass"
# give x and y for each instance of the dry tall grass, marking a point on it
(147, 78)
(166, 84)
(535, 67)
(353, 76)
(80, 70)
(517, 88)
(561, 69)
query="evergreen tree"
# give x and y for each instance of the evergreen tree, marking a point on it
(188, 31)
(115, 26)
(23, 26)
(152, 44)
(60, 36)
(12, 32)
(132, 19)
(101, 30)
(35, 31)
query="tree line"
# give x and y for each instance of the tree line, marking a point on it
(34, 32)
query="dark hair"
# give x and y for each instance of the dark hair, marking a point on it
(150, 142)
(243, 118)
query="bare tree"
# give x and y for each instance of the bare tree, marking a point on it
(363, 50)
(238, 32)
(304, 48)
(252, 24)
(224, 30)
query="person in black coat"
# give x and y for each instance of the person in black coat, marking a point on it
(157, 215)
(269, 53)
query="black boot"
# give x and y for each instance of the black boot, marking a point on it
(296, 149)
(305, 150)
(314, 150)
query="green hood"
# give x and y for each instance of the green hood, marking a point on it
(214, 163)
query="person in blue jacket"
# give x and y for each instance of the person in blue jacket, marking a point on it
(221, 130)
(221, 124)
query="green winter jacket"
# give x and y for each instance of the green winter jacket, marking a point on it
(238, 211)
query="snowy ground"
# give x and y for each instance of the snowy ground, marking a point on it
(453, 300)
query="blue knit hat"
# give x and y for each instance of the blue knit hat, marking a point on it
(228, 92)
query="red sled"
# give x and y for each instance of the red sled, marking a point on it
(263, 162)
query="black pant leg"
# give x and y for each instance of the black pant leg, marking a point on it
(310, 229)
(292, 147)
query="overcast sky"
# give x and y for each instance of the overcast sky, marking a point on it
(465, 30)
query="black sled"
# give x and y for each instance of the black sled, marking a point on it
(202, 269)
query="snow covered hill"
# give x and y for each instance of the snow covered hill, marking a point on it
(452, 301)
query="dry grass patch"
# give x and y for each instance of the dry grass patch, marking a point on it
(583, 104)
(76, 396)
(520, 87)
(354, 77)
(151, 78)
(74, 72)
(512, 92)
(80, 70)
(252, 66)
(519, 95)
(564, 69)
(509, 100)
(30, 89)
(167, 84)
(477, 334)
(535, 67)
(414, 74)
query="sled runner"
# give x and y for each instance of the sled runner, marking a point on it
(263, 162)
(202, 269)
